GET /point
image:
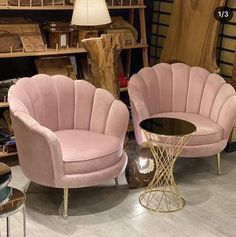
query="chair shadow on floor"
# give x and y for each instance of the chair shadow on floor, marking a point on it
(87, 206)
(197, 177)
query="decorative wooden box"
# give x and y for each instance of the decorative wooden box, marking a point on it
(59, 34)
(28, 34)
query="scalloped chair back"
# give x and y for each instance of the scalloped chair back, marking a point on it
(190, 93)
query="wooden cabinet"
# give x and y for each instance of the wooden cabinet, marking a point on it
(131, 7)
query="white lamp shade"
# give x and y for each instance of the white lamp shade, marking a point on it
(90, 13)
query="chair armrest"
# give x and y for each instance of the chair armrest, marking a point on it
(139, 108)
(38, 145)
(227, 116)
(117, 120)
(138, 98)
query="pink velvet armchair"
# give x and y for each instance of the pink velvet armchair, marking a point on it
(68, 133)
(189, 93)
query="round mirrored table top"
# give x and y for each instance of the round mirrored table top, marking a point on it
(16, 200)
(168, 126)
(5, 195)
(5, 175)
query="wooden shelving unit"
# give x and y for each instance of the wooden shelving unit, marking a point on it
(140, 7)
(58, 52)
(5, 154)
(4, 105)
(65, 7)
(142, 45)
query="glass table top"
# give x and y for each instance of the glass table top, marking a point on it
(5, 194)
(168, 126)
(5, 175)
(16, 200)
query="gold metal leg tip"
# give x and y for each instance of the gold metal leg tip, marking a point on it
(64, 216)
(117, 182)
(218, 173)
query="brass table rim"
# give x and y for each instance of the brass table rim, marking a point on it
(7, 214)
(13, 211)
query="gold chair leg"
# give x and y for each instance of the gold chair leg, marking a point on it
(65, 203)
(116, 182)
(27, 186)
(218, 163)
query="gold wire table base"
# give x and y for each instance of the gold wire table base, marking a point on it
(162, 194)
(161, 201)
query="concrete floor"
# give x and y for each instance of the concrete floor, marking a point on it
(107, 211)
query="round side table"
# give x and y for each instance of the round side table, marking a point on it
(166, 138)
(11, 200)
(15, 204)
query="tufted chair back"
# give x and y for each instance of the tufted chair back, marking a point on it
(65, 104)
(44, 107)
(181, 88)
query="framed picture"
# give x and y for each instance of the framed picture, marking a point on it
(33, 43)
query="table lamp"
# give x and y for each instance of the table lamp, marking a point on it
(90, 13)
(102, 51)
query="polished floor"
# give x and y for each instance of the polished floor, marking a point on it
(108, 211)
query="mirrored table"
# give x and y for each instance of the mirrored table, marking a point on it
(166, 138)
(11, 200)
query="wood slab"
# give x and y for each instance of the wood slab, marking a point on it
(233, 79)
(192, 34)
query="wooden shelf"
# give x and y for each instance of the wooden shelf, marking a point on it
(65, 7)
(122, 89)
(58, 52)
(136, 46)
(4, 104)
(4, 154)
(44, 53)
(126, 7)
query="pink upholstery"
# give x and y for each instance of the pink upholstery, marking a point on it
(67, 132)
(78, 156)
(189, 93)
(207, 132)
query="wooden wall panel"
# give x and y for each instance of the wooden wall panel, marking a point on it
(192, 35)
(226, 56)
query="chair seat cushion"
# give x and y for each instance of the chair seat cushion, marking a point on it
(207, 132)
(84, 151)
